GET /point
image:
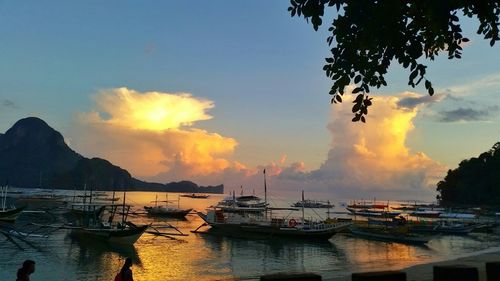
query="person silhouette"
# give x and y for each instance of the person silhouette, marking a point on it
(23, 273)
(125, 273)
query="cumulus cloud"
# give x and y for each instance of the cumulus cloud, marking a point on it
(364, 160)
(151, 133)
(150, 110)
(373, 159)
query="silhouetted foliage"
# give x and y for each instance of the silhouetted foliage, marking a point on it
(367, 35)
(475, 181)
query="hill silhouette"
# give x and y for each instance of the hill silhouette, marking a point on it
(32, 154)
(476, 181)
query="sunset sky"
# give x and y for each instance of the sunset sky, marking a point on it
(215, 91)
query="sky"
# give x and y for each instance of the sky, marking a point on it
(217, 91)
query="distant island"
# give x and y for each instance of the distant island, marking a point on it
(476, 181)
(32, 154)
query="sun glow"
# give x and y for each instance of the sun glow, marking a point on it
(154, 111)
(151, 133)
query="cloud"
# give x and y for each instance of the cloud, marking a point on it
(8, 103)
(410, 100)
(372, 159)
(151, 133)
(476, 86)
(467, 114)
(364, 160)
(150, 110)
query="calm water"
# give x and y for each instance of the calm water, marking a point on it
(209, 257)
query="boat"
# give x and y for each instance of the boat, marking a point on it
(196, 196)
(242, 203)
(93, 226)
(166, 211)
(443, 226)
(255, 223)
(251, 221)
(313, 204)
(396, 234)
(424, 213)
(8, 214)
(373, 213)
(451, 215)
(364, 205)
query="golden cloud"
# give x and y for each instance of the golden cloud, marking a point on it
(155, 111)
(146, 134)
(375, 155)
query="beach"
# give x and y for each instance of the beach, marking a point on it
(423, 272)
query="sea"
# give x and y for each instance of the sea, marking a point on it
(205, 256)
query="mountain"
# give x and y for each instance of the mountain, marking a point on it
(32, 154)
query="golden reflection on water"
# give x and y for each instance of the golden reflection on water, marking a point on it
(366, 252)
(211, 257)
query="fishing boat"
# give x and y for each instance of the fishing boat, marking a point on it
(365, 205)
(166, 211)
(242, 203)
(95, 227)
(196, 196)
(443, 226)
(247, 221)
(8, 214)
(373, 213)
(425, 213)
(396, 234)
(313, 204)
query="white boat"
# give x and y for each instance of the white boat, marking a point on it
(251, 221)
(373, 213)
(246, 223)
(450, 215)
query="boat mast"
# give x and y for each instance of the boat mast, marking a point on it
(265, 191)
(303, 206)
(123, 210)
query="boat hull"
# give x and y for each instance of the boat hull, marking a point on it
(126, 236)
(167, 213)
(388, 237)
(11, 214)
(323, 232)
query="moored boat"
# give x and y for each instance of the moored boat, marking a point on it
(399, 235)
(166, 211)
(373, 213)
(8, 214)
(195, 196)
(443, 226)
(94, 226)
(243, 224)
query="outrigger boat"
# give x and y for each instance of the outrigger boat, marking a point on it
(244, 222)
(93, 226)
(443, 226)
(393, 234)
(8, 214)
(166, 211)
(195, 196)
(373, 213)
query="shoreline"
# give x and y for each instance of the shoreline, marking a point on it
(423, 272)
